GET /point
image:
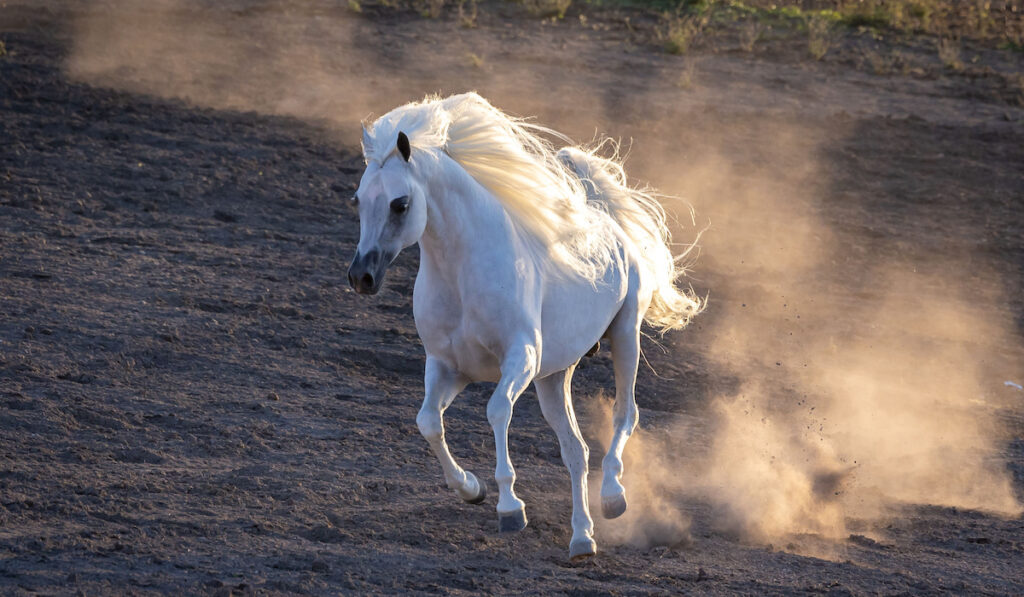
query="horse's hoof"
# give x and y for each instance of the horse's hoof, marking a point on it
(582, 549)
(481, 493)
(613, 507)
(511, 522)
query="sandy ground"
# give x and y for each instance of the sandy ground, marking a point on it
(192, 400)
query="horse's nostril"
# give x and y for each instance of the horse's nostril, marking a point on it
(367, 280)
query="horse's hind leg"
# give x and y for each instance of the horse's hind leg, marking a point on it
(556, 404)
(442, 384)
(624, 334)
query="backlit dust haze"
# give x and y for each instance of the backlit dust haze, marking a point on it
(861, 381)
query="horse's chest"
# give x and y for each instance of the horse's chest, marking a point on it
(461, 346)
(454, 335)
(475, 359)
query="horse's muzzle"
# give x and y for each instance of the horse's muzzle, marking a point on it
(366, 273)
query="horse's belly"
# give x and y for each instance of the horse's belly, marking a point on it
(574, 319)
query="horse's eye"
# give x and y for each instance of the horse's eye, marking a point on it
(400, 205)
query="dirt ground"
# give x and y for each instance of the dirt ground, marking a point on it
(192, 401)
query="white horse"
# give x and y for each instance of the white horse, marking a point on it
(528, 257)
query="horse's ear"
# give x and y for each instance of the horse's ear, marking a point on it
(366, 140)
(403, 146)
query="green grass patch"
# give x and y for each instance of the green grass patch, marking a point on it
(981, 20)
(1012, 46)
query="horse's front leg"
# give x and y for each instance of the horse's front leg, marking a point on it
(520, 365)
(442, 384)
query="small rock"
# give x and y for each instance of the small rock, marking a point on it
(223, 216)
(863, 541)
(273, 396)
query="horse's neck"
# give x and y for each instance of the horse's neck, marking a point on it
(463, 219)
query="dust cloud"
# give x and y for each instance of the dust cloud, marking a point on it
(653, 517)
(863, 381)
(315, 60)
(287, 60)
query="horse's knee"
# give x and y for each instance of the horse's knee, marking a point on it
(429, 423)
(499, 411)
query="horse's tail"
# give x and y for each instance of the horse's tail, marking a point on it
(642, 218)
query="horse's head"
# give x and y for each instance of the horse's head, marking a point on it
(392, 216)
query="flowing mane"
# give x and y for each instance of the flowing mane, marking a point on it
(511, 159)
(565, 200)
